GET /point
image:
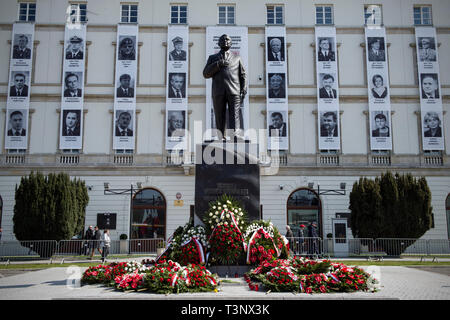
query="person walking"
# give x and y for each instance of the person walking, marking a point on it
(106, 241)
(96, 242)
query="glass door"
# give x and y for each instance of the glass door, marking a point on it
(340, 241)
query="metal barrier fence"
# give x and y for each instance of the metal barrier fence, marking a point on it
(334, 247)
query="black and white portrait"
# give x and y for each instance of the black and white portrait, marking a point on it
(325, 50)
(71, 120)
(380, 121)
(177, 85)
(176, 121)
(427, 49)
(432, 125)
(277, 85)
(328, 124)
(72, 84)
(19, 86)
(74, 50)
(376, 49)
(277, 124)
(127, 48)
(22, 46)
(275, 48)
(378, 88)
(430, 85)
(123, 123)
(125, 87)
(178, 51)
(17, 122)
(327, 89)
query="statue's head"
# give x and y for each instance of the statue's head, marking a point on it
(225, 42)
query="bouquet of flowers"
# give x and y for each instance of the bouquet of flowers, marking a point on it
(226, 243)
(130, 281)
(228, 207)
(308, 276)
(98, 274)
(189, 245)
(264, 242)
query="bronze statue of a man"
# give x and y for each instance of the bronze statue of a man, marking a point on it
(229, 85)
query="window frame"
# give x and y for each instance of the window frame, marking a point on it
(27, 13)
(227, 8)
(128, 17)
(323, 14)
(366, 7)
(274, 7)
(178, 12)
(421, 7)
(75, 12)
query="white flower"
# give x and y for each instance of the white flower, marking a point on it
(228, 215)
(217, 220)
(226, 223)
(224, 205)
(236, 210)
(217, 212)
(228, 201)
(214, 207)
(210, 214)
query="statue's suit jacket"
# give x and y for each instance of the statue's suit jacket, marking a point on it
(231, 80)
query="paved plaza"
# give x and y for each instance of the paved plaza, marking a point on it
(399, 283)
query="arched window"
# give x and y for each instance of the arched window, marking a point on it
(148, 219)
(447, 209)
(303, 207)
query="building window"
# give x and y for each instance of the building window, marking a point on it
(324, 15)
(148, 216)
(71, 151)
(303, 208)
(17, 151)
(124, 151)
(27, 11)
(275, 15)
(77, 12)
(129, 13)
(422, 15)
(178, 14)
(226, 15)
(372, 15)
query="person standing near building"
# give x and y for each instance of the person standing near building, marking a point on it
(88, 236)
(290, 237)
(301, 238)
(312, 233)
(106, 241)
(96, 240)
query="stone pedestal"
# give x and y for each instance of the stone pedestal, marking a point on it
(227, 168)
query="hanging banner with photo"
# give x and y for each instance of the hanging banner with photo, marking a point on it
(239, 38)
(327, 88)
(125, 87)
(378, 89)
(276, 89)
(73, 87)
(430, 89)
(177, 87)
(19, 86)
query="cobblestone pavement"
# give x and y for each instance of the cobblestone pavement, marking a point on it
(402, 283)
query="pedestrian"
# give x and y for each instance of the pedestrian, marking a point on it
(96, 242)
(301, 238)
(89, 244)
(312, 233)
(290, 237)
(106, 241)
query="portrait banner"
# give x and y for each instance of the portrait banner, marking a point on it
(239, 37)
(378, 89)
(124, 122)
(276, 88)
(72, 94)
(429, 89)
(327, 89)
(19, 86)
(177, 87)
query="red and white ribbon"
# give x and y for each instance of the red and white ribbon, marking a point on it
(199, 247)
(253, 236)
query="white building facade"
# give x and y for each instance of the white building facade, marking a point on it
(163, 185)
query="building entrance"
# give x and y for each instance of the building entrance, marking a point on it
(149, 212)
